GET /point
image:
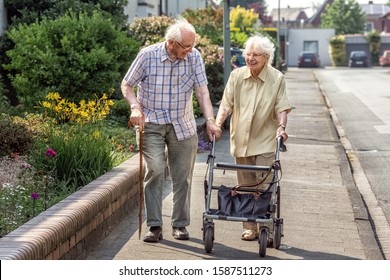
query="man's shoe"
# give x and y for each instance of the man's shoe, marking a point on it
(180, 233)
(154, 235)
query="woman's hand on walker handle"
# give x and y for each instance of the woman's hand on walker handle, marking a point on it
(283, 134)
(213, 129)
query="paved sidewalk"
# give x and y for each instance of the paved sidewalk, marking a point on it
(324, 215)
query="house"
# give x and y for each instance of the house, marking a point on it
(308, 39)
(147, 8)
(378, 17)
(315, 20)
(291, 17)
(299, 34)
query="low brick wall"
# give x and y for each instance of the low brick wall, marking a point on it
(72, 227)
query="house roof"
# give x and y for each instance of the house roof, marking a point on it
(371, 10)
(375, 9)
(316, 18)
(289, 14)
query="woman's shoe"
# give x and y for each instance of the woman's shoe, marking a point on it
(249, 235)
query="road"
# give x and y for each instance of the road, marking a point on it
(360, 99)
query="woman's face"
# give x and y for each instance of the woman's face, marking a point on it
(255, 60)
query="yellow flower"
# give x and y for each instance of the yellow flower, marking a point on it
(46, 104)
(53, 96)
(96, 134)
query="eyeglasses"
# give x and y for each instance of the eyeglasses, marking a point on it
(185, 48)
(256, 55)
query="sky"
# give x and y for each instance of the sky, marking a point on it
(273, 4)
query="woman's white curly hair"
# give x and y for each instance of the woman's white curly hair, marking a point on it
(261, 44)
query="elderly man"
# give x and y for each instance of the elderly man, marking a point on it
(165, 75)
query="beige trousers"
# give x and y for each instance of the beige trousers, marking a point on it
(250, 177)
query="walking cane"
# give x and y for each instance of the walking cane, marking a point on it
(140, 186)
(140, 182)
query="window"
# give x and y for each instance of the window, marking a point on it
(311, 46)
(368, 26)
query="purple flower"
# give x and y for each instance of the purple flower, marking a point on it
(50, 153)
(35, 195)
(203, 145)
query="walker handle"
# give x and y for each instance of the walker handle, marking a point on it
(281, 146)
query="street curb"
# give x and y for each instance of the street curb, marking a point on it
(361, 215)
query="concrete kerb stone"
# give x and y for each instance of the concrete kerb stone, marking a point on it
(362, 217)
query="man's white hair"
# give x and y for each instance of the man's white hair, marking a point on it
(174, 31)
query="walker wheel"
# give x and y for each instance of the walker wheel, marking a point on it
(208, 238)
(263, 243)
(277, 235)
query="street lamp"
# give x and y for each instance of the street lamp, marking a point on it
(226, 41)
(278, 38)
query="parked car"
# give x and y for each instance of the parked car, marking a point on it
(358, 59)
(308, 59)
(237, 57)
(384, 59)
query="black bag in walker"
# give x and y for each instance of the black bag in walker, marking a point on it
(247, 205)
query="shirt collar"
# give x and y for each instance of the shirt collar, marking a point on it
(262, 75)
(165, 56)
(164, 53)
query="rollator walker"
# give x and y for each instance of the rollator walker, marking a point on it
(263, 208)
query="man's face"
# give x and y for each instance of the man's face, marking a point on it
(185, 46)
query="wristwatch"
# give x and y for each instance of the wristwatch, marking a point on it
(210, 119)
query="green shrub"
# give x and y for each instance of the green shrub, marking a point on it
(18, 133)
(208, 23)
(150, 30)
(238, 39)
(76, 55)
(374, 40)
(214, 68)
(4, 102)
(337, 51)
(120, 111)
(31, 11)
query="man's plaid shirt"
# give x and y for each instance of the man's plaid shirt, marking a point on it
(165, 87)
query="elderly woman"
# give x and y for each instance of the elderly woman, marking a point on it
(255, 97)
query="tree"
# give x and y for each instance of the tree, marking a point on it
(244, 3)
(345, 16)
(259, 6)
(242, 19)
(207, 22)
(28, 11)
(76, 55)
